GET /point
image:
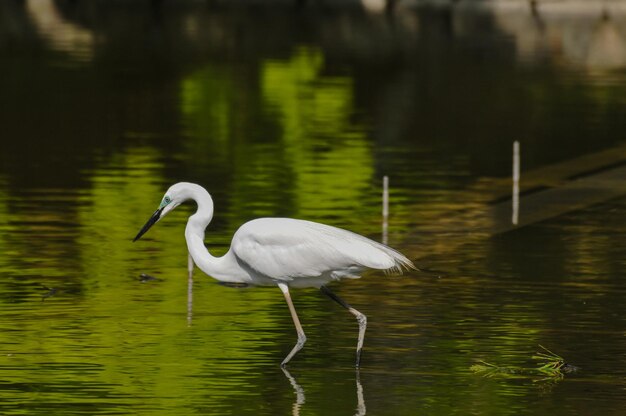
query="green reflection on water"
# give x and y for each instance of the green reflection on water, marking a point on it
(312, 161)
(107, 341)
(330, 158)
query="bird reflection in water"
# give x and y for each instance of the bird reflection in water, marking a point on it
(300, 397)
(361, 410)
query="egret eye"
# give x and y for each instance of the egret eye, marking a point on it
(167, 200)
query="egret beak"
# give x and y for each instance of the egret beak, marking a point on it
(153, 219)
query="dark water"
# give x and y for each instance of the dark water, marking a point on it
(287, 111)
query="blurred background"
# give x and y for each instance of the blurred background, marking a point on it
(299, 108)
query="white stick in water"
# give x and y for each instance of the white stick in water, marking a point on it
(385, 207)
(189, 289)
(516, 163)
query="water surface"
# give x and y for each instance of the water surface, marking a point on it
(280, 111)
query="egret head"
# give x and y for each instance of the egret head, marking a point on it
(176, 195)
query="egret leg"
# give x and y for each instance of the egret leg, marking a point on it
(361, 319)
(301, 337)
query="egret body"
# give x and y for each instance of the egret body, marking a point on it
(283, 252)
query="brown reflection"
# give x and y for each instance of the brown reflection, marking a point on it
(484, 209)
(607, 48)
(61, 35)
(585, 34)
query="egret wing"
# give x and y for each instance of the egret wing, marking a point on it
(284, 249)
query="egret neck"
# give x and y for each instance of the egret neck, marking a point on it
(194, 232)
(225, 268)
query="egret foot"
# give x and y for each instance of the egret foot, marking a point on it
(361, 319)
(294, 351)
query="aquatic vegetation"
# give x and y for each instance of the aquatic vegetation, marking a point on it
(549, 367)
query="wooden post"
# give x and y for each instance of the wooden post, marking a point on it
(385, 207)
(515, 198)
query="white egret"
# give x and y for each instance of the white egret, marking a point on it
(283, 252)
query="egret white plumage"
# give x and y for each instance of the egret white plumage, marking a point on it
(283, 252)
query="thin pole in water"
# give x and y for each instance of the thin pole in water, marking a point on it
(516, 164)
(190, 265)
(385, 207)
